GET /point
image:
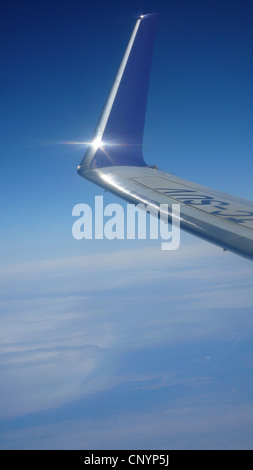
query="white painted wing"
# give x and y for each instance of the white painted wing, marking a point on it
(216, 217)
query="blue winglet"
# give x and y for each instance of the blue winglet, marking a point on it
(119, 133)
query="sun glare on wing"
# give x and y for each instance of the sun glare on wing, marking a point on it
(97, 143)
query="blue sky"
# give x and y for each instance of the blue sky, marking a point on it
(116, 344)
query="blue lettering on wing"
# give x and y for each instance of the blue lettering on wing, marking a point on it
(191, 197)
(194, 198)
(239, 217)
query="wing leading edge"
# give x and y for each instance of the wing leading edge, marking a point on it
(114, 160)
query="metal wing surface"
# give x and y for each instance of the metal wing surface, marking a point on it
(114, 159)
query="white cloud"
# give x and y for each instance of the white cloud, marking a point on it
(65, 321)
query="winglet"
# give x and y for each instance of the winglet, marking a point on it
(119, 133)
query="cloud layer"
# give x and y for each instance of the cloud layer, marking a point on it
(73, 328)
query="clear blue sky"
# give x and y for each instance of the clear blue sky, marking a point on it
(117, 344)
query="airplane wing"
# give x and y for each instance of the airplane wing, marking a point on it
(114, 159)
